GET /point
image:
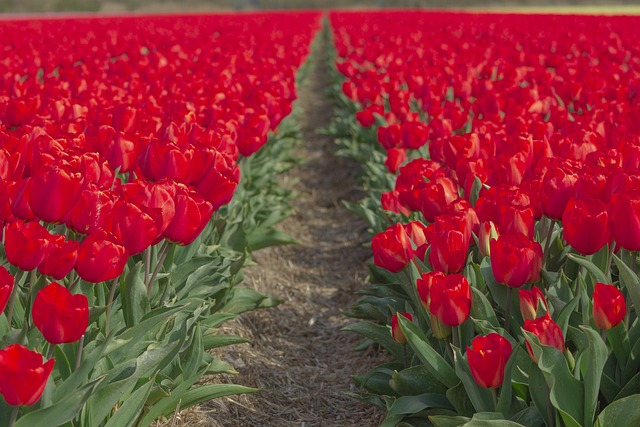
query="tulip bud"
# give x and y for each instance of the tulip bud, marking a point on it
(609, 306)
(488, 357)
(424, 286)
(547, 331)
(23, 376)
(392, 249)
(530, 301)
(439, 329)
(396, 332)
(488, 233)
(60, 316)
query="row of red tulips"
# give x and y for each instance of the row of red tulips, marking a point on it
(120, 140)
(495, 144)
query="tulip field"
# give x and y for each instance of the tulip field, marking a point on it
(141, 169)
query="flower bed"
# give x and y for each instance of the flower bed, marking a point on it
(501, 153)
(123, 140)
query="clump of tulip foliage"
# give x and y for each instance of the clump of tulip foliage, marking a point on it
(121, 146)
(502, 157)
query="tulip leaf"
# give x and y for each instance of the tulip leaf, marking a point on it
(211, 341)
(265, 237)
(415, 380)
(132, 407)
(609, 388)
(631, 281)
(376, 380)
(481, 397)
(598, 275)
(61, 412)
(481, 308)
(193, 356)
(633, 363)
(565, 314)
(498, 291)
(539, 392)
(566, 393)
(379, 334)
(621, 413)
(436, 364)
(447, 421)
(592, 364)
(133, 290)
(460, 400)
(618, 338)
(242, 299)
(529, 417)
(407, 405)
(505, 402)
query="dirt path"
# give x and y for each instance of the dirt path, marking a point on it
(298, 355)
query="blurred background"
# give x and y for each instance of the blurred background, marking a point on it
(121, 6)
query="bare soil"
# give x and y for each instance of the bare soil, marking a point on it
(298, 355)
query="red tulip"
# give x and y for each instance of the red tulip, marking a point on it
(60, 316)
(424, 285)
(133, 227)
(7, 282)
(390, 202)
(392, 249)
(25, 244)
(450, 299)
(101, 257)
(60, 257)
(515, 260)
(609, 306)
(396, 332)
(192, 214)
(624, 215)
(530, 301)
(448, 251)
(487, 234)
(556, 189)
(395, 159)
(586, 225)
(23, 376)
(547, 331)
(488, 357)
(53, 192)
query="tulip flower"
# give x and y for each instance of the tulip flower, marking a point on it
(60, 257)
(556, 189)
(547, 331)
(192, 214)
(53, 192)
(488, 357)
(515, 260)
(60, 316)
(424, 284)
(395, 159)
(609, 306)
(586, 225)
(23, 376)
(133, 227)
(101, 257)
(450, 299)
(487, 233)
(530, 301)
(7, 281)
(448, 251)
(396, 332)
(392, 249)
(25, 244)
(624, 214)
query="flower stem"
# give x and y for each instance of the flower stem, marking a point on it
(50, 351)
(14, 293)
(455, 338)
(547, 244)
(507, 312)
(607, 268)
(147, 264)
(79, 355)
(164, 251)
(494, 394)
(14, 416)
(112, 294)
(550, 413)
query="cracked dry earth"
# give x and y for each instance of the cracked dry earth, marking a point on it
(298, 356)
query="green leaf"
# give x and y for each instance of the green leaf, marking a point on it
(498, 290)
(62, 411)
(590, 266)
(246, 299)
(436, 364)
(621, 413)
(214, 341)
(447, 421)
(618, 338)
(565, 314)
(631, 387)
(592, 365)
(460, 400)
(529, 417)
(209, 392)
(481, 308)
(505, 402)
(265, 237)
(379, 334)
(414, 381)
(132, 407)
(539, 391)
(609, 388)
(133, 290)
(567, 394)
(408, 405)
(194, 354)
(630, 281)
(481, 397)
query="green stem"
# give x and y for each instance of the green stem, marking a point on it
(164, 251)
(507, 312)
(14, 416)
(455, 338)
(603, 335)
(79, 355)
(494, 394)
(50, 351)
(547, 244)
(550, 412)
(607, 268)
(147, 264)
(112, 294)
